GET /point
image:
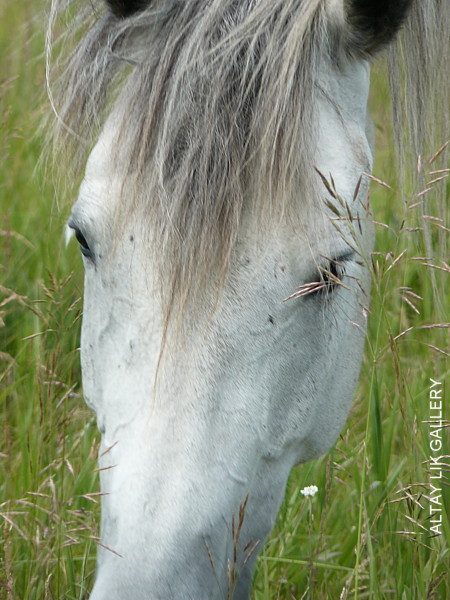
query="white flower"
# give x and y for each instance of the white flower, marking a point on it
(310, 490)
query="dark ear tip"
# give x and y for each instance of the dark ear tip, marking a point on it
(375, 23)
(126, 8)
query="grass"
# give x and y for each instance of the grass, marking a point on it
(364, 535)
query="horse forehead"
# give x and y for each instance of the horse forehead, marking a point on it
(99, 166)
(102, 186)
(341, 115)
(345, 90)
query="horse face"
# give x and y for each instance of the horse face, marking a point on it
(263, 385)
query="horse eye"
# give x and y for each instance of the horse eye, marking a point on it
(331, 276)
(84, 246)
(327, 280)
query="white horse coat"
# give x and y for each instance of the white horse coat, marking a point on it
(269, 387)
(194, 433)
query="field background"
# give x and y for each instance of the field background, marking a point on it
(364, 535)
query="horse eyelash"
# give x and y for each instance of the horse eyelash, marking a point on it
(330, 278)
(333, 275)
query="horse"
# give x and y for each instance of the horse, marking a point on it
(225, 230)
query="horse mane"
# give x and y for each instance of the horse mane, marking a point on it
(419, 82)
(214, 103)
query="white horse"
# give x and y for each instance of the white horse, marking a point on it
(231, 139)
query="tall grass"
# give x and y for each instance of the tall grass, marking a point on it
(364, 535)
(48, 438)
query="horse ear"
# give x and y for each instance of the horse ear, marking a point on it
(126, 8)
(374, 23)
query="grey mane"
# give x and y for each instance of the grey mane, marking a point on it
(214, 103)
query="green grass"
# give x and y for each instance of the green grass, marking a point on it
(364, 535)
